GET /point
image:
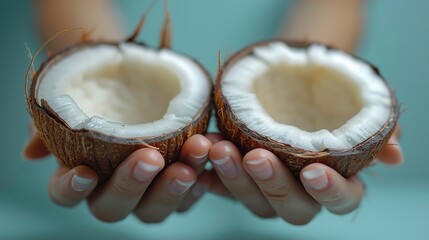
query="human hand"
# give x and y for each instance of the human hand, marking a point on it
(133, 187)
(267, 188)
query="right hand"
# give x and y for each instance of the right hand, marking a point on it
(133, 187)
(260, 181)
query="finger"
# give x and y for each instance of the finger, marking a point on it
(392, 152)
(208, 181)
(330, 189)
(215, 137)
(227, 161)
(217, 187)
(69, 187)
(200, 187)
(35, 149)
(195, 152)
(285, 194)
(122, 192)
(166, 193)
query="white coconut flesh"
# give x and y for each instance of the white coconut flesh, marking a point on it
(125, 91)
(314, 98)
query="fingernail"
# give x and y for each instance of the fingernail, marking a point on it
(80, 184)
(144, 171)
(178, 187)
(199, 190)
(199, 158)
(225, 167)
(260, 168)
(316, 178)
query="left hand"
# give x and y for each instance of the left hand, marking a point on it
(267, 188)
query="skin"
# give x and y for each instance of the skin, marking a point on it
(279, 194)
(337, 23)
(127, 191)
(257, 179)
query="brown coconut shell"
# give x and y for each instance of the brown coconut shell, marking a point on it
(99, 151)
(347, 162)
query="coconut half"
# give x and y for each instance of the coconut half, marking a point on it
(96, 103)
(306, 103)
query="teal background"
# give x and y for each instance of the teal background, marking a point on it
(396, 205)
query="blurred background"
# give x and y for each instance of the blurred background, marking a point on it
(396, 205)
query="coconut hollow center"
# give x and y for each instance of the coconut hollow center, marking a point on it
(128, 92)
(308, 97)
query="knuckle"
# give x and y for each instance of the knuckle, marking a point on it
(62, 201)
(342, 210)
(125, 191)
(341, 202)
(333, 200)
(279, 193)
(65, 197)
